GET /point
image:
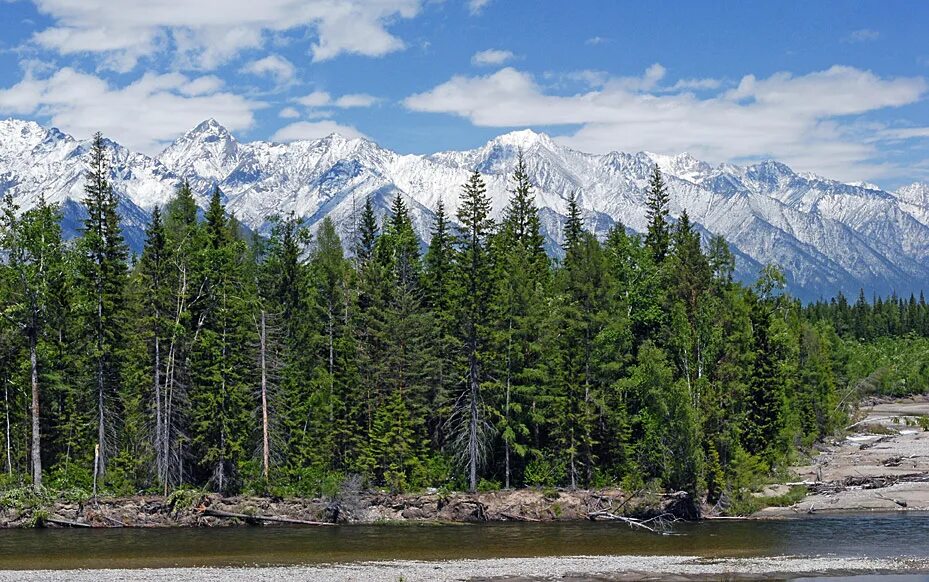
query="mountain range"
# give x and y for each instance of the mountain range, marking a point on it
(827, 236)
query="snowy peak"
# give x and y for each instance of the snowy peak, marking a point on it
(207, 151)
(683, 166)
(916, 193)
(827, 235)
(524, 139)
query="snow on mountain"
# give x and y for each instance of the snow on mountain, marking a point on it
(827, 235)
(914, 199)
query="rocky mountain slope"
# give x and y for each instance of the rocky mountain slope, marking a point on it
(827, 235)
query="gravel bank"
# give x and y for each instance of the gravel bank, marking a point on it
(585, 567)
(881, 465)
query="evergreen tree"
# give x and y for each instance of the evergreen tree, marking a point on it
(518, 309)
(221, 402)
(658, 237)
(35, 270)
(102, 285)
(367, 236)
(474, 284)
(439, 297)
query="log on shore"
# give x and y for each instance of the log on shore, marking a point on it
(259, 518)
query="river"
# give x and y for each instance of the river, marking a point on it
(894, 535)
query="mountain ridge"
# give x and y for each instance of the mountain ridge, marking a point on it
(827, 235)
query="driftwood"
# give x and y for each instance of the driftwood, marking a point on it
(661, 522)
(66, 522)
(259, 518)
(518, 517)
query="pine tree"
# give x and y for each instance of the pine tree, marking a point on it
(35, 268)
(658, 237)
(367, 236)
(574, 227)
(221, 402)
(518, 309)
(473, 274)
(102, 282)
(439, 296)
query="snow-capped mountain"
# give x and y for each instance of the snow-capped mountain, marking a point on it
(827, 235)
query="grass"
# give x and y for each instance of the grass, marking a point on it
(747, 504)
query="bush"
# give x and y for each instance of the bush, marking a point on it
(543, 471)
(485, 485)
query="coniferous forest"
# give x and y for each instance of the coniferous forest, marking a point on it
(285, 364)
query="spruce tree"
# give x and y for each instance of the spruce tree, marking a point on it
(102, 284)
(518, 308)
(473, 274)
(33, 250)
(658, 234)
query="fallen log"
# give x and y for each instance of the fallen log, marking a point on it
(631, 521)
(518, 517)
(66, 522)
(257, 518)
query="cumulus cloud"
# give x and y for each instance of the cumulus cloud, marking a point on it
(491, 57)
(144, 115)
(595, 40)
(206, 33)
(314, 130)
(324, 99)
(275, 66)
(288, 113)
(798, 119)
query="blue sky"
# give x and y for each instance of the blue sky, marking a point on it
(836, 88)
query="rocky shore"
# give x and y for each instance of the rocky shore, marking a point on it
(619, 568)
(881, 464)
(195, 509)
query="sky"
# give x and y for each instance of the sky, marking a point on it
(840, 89)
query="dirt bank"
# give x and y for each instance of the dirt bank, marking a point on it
(882, 464)
(192, 509)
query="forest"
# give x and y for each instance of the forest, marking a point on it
(288, 363)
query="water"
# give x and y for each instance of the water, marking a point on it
(878, 536)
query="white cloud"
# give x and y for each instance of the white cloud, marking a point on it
(476, 6)
(276, 66)
(906, 133)
(288, 113)
(144, 115)
(355, 100)
(314, 130)
(491, 57)
(862, 35)
(315, 99)
(797, 119)
(324, 99)
(206, 33)
(595, 40)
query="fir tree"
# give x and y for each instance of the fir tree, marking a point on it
(658, 237)
(102, 281)
(473, 273)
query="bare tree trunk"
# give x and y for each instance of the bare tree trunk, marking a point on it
(473, 421)
(506, 412)
(36, 435)
(331, 358)
(159, 423)
(9, 445)
(101, 429)
(266, 444)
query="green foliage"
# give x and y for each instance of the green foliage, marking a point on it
(483, 363)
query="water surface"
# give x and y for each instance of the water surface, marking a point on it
(873, 535)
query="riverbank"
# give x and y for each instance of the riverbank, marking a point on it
(196, 509)
(619, 568)
(882, 464)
